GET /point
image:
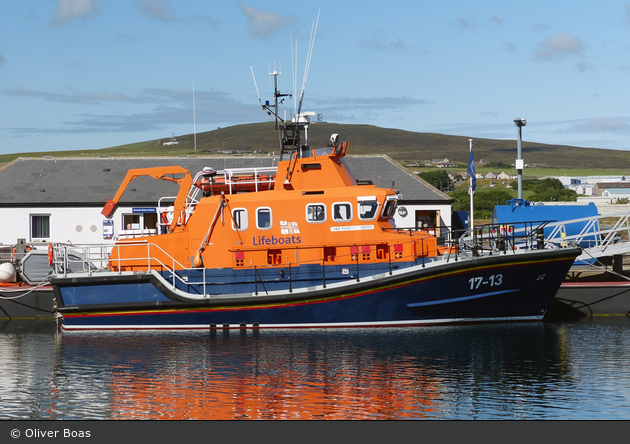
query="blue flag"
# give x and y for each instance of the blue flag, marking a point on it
(472, 176)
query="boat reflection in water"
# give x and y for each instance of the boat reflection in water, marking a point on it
(446, 372)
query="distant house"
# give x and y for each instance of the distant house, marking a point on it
(445, 160)
(490, 175)
(446, 165)
(503, 176)
(600, 187)
(616, 193)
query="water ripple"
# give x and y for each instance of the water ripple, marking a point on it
(505, 371)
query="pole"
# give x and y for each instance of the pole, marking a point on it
(472, 184)
(520, 123)
(472, 220)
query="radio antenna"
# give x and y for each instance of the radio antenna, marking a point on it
(254, 77)
(308, 61)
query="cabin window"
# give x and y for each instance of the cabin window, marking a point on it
(389, 209)
(316, 213)
(40, 226)
(263, 218)
(342, 212)
(239, 219)
(368, 208)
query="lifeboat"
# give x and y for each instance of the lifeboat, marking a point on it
(303, 245)
(232, 181)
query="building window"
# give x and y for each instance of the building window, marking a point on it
(316, 213)
(40, 226)
(140, 221)
(342, 212)
(263, 218)
(131, 221)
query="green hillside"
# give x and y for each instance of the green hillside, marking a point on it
(403, 146)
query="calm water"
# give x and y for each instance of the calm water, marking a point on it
(575, 370)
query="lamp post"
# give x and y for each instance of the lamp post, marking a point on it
(520, 123)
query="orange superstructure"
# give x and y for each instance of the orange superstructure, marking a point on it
(316, 212)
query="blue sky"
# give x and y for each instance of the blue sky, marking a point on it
(89, 74)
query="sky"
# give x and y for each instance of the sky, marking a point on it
(90, 74)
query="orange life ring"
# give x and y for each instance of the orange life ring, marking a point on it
(50, 255)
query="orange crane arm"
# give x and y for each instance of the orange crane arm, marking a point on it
(160, 173)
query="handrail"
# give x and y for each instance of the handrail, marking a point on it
(91, 258)
(592, 232)
(230, 174)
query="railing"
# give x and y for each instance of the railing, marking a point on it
(89, 260)
(504, 237)
(597, 240)
(260, 177)
(353, 263)
(71, 259)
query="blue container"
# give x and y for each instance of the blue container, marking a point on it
(519, 210)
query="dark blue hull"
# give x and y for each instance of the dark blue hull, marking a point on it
(512, 287)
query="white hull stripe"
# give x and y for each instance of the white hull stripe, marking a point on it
(309, 325)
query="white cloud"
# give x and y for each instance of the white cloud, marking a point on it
(70, 10)
(160, 10)
(383, 43)
(264, 23)
(603, 124)
(464, 24)
(153, 109)
(559, 45)
(495, 20)
(508, 47)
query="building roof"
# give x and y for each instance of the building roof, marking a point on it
(91, 181)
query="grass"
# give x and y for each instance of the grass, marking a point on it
(402, 146)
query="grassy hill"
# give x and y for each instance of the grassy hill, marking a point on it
(403, 146)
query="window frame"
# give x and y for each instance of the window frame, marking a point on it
(246, 218)
(32, 217)
(389, 207)
(349, 204)
(368, 199)
(316, 221)
(258, 210)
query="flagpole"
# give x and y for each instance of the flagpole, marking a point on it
(472, 182)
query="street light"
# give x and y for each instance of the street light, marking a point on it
(520, 123)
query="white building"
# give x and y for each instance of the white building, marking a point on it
(60, 200)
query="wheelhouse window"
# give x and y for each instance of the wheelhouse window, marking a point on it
(239, 219)
(389, 209)
(316, 213)
(263, 218)
(368, 208)
(342, 212)
(40, 226)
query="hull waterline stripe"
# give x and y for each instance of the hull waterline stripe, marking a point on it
(375, 324)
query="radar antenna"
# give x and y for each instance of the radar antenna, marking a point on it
(291, 138)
